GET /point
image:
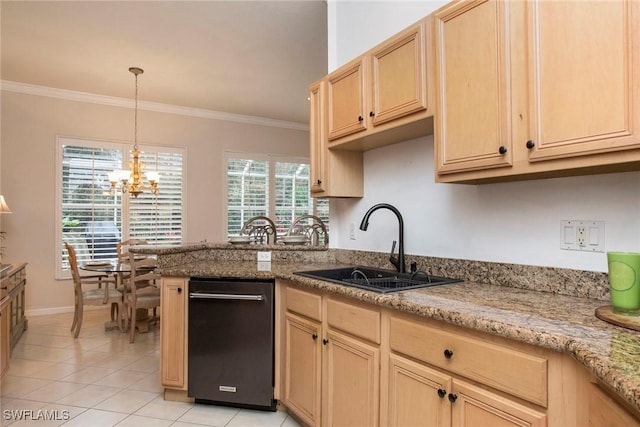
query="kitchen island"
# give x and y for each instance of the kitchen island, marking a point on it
(561, 324)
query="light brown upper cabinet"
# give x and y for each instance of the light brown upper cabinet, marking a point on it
(536, 89)
(333, 173)
(382, 97)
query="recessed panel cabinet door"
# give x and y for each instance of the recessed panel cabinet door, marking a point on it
(302, 371)
(346, 100)
(399, 80)
(417, 395)
(173, 334)
(583, 60)
(474, 406)
(472, 75)
(351, 396)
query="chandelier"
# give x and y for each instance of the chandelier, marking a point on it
(131, 181)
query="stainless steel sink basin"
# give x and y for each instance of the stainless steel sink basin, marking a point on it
(376, 279)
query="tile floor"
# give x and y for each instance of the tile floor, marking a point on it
(100, 379)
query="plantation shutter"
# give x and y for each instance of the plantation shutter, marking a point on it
(292, 198)
(91, 217)
(158, 219)
(247, 191)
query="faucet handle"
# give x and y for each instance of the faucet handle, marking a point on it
(393, 260)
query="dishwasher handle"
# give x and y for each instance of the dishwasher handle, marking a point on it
(233, 297)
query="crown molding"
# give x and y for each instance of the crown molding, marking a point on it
(70, 95)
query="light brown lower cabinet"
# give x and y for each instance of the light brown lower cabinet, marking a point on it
(173, 333)
(331, 373)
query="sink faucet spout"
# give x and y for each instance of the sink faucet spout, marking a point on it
(397, 262)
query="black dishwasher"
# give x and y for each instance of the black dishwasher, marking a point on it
(231, 342)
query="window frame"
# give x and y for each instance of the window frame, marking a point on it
(125, 147)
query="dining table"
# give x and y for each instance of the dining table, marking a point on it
(119, 270)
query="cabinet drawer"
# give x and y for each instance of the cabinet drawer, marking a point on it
(304, 303)
(501, 367)
(354, 319)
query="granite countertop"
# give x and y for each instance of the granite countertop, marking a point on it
(558, 322)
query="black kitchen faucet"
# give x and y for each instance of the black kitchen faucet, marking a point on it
(397, 262)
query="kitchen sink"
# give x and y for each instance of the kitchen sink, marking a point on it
(376, 279)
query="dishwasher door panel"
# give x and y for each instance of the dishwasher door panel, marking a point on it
(231, 335)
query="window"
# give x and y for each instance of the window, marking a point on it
(93, 220)
(269, 186)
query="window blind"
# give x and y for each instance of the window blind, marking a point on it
(292, 197)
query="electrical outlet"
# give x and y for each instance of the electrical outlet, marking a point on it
(582, 235)
(264, 256)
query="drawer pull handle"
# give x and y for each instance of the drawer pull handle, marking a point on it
(314, 336)
(441, 393)
(448, 353)
(452, 397)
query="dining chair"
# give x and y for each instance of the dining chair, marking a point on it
(122, 248)
(104, 293)
(312, 227)
(142, 272)
(261, 229)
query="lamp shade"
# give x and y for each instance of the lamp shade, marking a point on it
(4, 208)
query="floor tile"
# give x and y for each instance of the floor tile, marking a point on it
(209, 415)
(128, 401)
(96, 418)
(160, 408)
(100, 379)
(246, 418)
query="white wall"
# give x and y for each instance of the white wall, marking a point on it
(510, 222)
(30, 125)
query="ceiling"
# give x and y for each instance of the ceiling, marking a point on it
(254, 58)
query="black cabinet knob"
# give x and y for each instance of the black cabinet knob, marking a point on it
(360, 118)
(325, 341)
(179, 290)
(448, 353)
(314, 336)
(442, 393)
(452, 397)
(371, 114)
(530, 144)
(319, 182)
(502, 149)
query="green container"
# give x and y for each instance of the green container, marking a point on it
(624, 282)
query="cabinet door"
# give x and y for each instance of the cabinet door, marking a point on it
(399, 78)
(351, 382)
(605, 412)
(302, 368)
(4, 340)
(473, 406)
(472, 75)
(318, 146)
(173, 334)
(417, 395)
(346, 100)
(584, 58)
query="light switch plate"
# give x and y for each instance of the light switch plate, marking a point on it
(582, 235)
